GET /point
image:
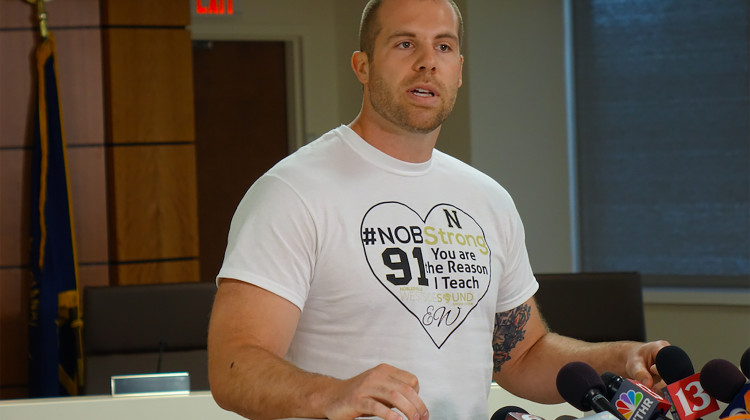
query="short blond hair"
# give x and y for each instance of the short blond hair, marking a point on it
(369, 28)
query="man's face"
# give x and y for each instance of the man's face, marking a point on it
(415, 71)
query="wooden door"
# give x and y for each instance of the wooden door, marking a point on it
(241, 131)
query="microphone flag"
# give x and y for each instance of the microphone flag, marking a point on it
(636, 401)
(739, 405)
(689, 400)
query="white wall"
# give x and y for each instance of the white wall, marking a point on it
(518, 130)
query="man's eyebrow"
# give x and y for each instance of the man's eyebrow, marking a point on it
(448, 35)
(402, 34)
(407, 34)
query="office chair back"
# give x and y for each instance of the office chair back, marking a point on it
(151, 328)
(593, 307)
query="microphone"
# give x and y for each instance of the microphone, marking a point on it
(502, 413)
(684, 390)
(725, 382)
(745, 363)
(673, 364)
(634, 400)
(162, 346)
(511, 412)
(580, 385)
(612, 383)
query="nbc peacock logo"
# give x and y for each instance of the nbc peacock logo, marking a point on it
(628, 402)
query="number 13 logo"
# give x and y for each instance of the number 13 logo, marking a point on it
(689, 398)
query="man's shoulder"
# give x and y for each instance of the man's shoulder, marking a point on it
(320, 149)
(461, 168)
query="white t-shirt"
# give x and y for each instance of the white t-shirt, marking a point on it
(389, 262)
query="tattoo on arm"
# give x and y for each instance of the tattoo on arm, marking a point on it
(510, 328)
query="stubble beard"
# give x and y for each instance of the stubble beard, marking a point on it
(405, 116)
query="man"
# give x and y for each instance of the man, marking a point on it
(370, 274)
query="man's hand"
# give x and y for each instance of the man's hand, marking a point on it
(376, 392)
(640, 362)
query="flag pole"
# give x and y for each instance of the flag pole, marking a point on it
(42, 16)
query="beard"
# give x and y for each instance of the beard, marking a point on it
(408, 116)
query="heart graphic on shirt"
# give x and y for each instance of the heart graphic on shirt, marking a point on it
(437, 266)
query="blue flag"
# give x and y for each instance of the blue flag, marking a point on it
(55, 346)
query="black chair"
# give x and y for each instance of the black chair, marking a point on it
(593, 307)
(139, 329)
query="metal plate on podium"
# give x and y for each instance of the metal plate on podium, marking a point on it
(175, 383)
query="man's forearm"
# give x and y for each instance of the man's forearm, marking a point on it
(533, 375)
(259, 385)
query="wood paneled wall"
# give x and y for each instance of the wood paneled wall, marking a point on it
(153, 212)
(125, 76)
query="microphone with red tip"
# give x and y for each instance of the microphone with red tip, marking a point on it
(580, 385)
(684, 390)
(724, 381)
(633, 399)
(511, 412)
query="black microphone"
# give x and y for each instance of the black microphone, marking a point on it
(633, 399)
(612, 383)
(580, 385)
(673, 364)
(745, 363)
(725, 382)
(511, 412)
(676, 369)
(503, 412)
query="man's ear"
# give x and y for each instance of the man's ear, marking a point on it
(361, 66)
(461, 72)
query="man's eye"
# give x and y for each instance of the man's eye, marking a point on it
(444, 47)
(404, 44)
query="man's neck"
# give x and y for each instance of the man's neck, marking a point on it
(394, 141)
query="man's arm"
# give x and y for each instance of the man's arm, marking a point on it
(527, 357)
(250, 332)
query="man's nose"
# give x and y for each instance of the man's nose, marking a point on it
(426, 60)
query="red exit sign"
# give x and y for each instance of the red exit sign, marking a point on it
(214, 7)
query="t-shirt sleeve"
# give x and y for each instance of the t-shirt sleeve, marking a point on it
(271, 242)
(517, 282)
